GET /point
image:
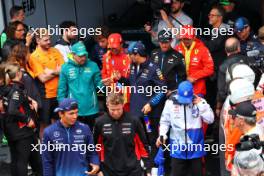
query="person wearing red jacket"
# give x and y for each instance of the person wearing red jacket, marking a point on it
(198, 61)
(116, 61)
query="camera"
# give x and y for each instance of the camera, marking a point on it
(249, 142)
(164, 5)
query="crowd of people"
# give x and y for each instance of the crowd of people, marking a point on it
(137, 113)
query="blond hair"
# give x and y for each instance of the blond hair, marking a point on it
(115, 98)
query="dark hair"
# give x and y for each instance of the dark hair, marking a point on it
(19, 54)
(2, 74)
(11, 29)
(220, 10)
(105, 32)
(15, 10)
(67, 24)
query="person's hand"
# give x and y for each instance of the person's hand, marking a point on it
(100, 174)
(107, 81)
(197, 99)
(49, 71)
(116, 75)
(164, 15)
(146, 109)
(95, 169)
(148, 28)
(33, 104)
(159, 142)
(29, 38)
(57, 70)
(1, 106)
(192, 80)
(31, 124)
(148, 174)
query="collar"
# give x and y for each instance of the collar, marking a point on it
(18, 84)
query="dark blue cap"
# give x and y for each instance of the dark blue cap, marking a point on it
(185, 92)
(164, 36)
(67, 104)
(240, 24)
(137, 48)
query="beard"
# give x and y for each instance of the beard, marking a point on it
(174, 11)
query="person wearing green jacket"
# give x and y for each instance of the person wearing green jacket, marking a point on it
(79, 79)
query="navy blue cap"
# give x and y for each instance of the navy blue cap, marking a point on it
(137, 48)
(67, 104)
(164, 36)
(240, 24)
(185, 92)
(245, 109)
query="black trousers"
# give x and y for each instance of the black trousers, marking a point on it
(22, 154)
(181, 167)
(88, 120)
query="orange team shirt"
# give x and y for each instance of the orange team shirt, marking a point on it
(39, 61)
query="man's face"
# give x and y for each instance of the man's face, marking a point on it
(115, 51)
(20, 32)
(187, 42)
(103, 42)
(214, 17)
(79, 59)
(20, 16)
(165, 46)
(44, 42)
(176, 6)
(71, 33)
(69, 117)
(239, 122)
(115, 111)
(243, 35)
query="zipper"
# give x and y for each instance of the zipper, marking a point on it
(185, 123)
(68, 134)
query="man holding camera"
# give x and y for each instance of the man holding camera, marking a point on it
(174, 20)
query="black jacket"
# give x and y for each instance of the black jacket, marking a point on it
(172, 65)
(18, 113)
(123, 142)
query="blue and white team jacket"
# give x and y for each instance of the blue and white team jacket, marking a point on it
(185, 124)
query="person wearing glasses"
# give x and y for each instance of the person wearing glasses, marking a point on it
(15, 34)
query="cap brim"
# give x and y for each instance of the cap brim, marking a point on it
(232, 112)
(184, 100)
(164, 40)
(58, 110)
(81, 53)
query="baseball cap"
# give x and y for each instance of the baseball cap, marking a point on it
(114, 40)
(224, 2)
(79, 49)
(164, 36)
(137, 48)
(240, 24)
(185, 92)
(67, 104)
(244, 109)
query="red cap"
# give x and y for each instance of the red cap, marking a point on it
(114, 40)
(187, 32)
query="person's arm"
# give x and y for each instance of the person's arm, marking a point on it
(165, 120)
(208, 66)
(158, 81)
(62, 86)
(48, 162)
(221, 86)
(205, 111)
(181, 70)
(97, 77)
(141, 141)
(91, 155)
(14, 105)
